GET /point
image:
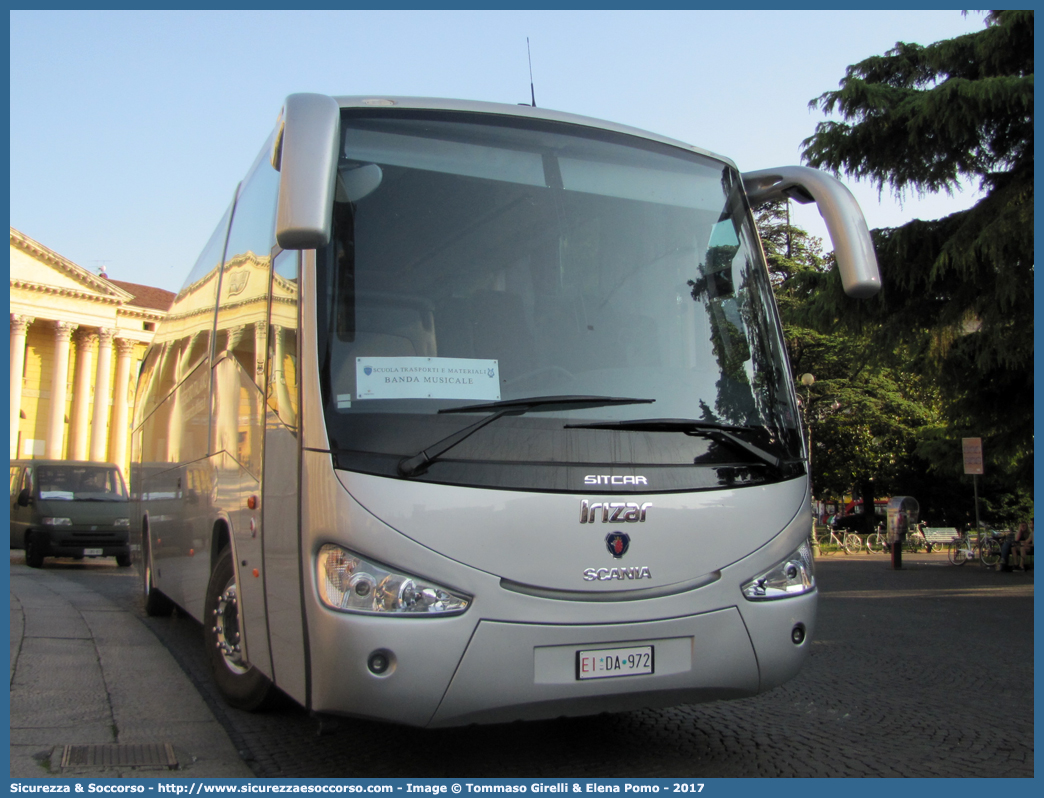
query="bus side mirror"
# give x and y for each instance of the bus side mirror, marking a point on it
(24, 497)
(853, 248)
(305, 154)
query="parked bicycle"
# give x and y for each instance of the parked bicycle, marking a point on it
(877, 542)
(915, 541)
(960, 549)
(990, 547)
(986, 548)
(849, 542)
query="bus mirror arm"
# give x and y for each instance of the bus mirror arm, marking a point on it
(853, 247)
(306, 147)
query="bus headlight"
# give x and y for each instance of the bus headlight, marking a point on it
(348, 582)
(791, 577)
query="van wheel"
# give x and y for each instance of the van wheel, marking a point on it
(156, 604)
(123, 560)
(33, 554)
(240, 683)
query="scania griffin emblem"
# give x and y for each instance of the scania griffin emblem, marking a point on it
(617, 543)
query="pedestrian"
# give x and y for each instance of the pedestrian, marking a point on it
(1006, 546)
(1023, 544)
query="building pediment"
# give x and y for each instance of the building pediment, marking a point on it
(35, 269)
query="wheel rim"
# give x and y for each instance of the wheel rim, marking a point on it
(226, 629)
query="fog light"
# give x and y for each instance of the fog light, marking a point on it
(797, 635)
(378, 663)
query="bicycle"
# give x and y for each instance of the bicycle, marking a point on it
(990, 547)
(960, 550)
(915, 541)
(850, 544)
(876, 543)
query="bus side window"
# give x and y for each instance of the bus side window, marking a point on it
(243, 301)
(241, 338)
(282, 339)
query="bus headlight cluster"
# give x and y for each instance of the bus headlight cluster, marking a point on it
(791, 577)
(348, 582)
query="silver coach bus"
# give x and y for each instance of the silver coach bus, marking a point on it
(470, 413)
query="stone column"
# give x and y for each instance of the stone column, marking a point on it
(99, 422)
(120, 414)
(79, 419)
(282, 393)
(226, 386)
(55, 447)
(19, 327)
(176, 351)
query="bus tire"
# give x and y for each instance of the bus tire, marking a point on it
(240, 683)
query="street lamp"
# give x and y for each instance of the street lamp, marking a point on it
(807, 380)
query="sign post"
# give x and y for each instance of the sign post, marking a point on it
(973, 465)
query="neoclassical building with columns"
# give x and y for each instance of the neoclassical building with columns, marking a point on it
(77, 340)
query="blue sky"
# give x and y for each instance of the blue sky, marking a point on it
(130, 130)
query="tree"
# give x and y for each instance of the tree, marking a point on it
(957, 292)
(863, 416)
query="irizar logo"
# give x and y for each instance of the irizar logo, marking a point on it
(618, 479)
(613, 512)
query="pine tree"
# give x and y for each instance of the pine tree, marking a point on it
(863, 417)
(958, 291)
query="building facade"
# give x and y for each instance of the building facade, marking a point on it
(77, 340)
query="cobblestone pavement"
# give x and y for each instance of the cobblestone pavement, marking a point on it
(927, 671)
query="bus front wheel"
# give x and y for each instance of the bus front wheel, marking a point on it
(241, 684)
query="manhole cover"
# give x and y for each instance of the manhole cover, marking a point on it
(105, 756)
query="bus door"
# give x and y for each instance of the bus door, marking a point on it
(279, 512)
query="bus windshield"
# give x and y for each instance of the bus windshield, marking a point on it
(481, 259)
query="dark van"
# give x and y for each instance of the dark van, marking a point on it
(69, 508)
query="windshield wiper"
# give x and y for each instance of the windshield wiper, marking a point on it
(409, 466)
(708, 429)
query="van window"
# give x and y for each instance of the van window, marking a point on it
(80, 483)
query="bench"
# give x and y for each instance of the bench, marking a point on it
(939, 536)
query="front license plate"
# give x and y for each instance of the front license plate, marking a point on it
(92, 552)
(608, 662)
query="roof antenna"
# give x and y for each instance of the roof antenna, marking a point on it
(532, 92)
